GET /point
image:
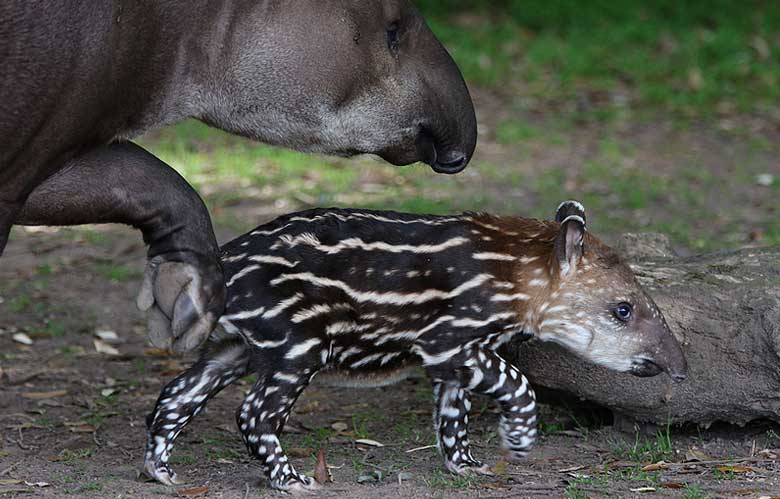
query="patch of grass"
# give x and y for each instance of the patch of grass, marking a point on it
(551, 428)
(140, 366)
(317, 438)
(19, 303)
(513, 132)
(45, 269)
(68, 351)
(691, 59)
(652, 450)
(219, 448)
(182, 459)
(117, 273)
(573, 492)
(440, 480)
(45, 422)
(54, 329)
(723, 475)
(68, 455)
(693, 491)
(95, 238)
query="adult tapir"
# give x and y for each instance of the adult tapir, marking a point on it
(79, 78)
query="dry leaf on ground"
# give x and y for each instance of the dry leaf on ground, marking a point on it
(44, 395)
(660, 465)
(103, 347)
(694, 454)
(321, 471)
(734, 469)
(196, 491)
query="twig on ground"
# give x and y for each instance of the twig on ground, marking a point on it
(420, 448)
(9, 469)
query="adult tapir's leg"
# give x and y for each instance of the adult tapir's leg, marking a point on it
(183, 286)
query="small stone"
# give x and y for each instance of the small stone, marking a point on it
(339, 426)
(404, 476)
(22, 338)
(371, 477)
(765, 179)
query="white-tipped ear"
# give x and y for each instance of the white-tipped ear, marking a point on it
(569, 208)
(569, 243)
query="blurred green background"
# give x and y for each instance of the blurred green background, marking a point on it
(659, 115)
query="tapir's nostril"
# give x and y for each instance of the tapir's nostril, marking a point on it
(450, 162)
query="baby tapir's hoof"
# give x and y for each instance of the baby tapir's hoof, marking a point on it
(297, 485)
(160, 472)
(474, 468)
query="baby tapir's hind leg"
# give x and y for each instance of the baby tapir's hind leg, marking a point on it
(450, 421)
(183, 398)
(491, 375)
(262, 415)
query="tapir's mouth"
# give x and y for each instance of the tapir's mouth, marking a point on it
(645, 368)
(440, 159)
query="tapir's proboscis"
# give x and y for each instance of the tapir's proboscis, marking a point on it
(339, 77)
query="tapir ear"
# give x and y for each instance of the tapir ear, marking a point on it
(569, 243)
(569, 208)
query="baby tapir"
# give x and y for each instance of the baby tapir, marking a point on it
(369, 294)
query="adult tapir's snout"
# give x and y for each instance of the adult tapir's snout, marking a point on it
(343, 77)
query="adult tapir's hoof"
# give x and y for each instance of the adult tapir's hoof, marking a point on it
(184, 301)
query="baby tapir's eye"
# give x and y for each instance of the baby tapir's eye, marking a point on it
(623, 311)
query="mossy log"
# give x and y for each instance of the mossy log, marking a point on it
(725, 310)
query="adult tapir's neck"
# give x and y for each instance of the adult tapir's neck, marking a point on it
(167, 58)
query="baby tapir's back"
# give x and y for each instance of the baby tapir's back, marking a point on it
(375, 285)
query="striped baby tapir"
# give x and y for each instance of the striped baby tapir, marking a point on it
(364, 296)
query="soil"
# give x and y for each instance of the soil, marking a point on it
(72, 418)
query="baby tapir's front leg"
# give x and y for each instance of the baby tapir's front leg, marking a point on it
(489, 374)
(481, 371)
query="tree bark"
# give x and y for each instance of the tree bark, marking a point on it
(725, 310)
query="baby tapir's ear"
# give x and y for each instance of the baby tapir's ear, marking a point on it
(569, 208)
(569, 243)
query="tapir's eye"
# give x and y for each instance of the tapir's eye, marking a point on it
(392, 36)
(623, 311)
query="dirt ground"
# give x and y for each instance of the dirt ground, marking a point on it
(72, 411)
(72, 418)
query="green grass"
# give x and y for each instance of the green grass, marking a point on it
(692, 58)
(649, 450)
(317, 438)
(441, 480)
(19, 303)
(117, 273)
(693, 491)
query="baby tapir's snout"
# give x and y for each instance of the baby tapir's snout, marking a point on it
(666, 356)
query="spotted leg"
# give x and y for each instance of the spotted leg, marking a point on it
(183, 398)
(450, 421)
(489, 374)
(261, 418)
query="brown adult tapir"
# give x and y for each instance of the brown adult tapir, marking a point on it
(80, 78)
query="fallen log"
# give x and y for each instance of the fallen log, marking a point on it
(725, 310)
